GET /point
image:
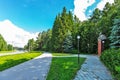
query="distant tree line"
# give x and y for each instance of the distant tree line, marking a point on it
(63, 36)
(4, 46)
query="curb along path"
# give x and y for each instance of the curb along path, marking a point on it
(93, 69)
(35, 69)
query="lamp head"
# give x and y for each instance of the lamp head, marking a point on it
(78, 37)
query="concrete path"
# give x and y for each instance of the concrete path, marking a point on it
(35, 69)
(11, 53)
(93, 69)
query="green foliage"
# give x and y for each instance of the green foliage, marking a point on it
(30, 45)
(100, 21)
(43, 42)
(111, 58)
(117, 69)
(9, 47)
(115, 34)
(62, 24)
(74, 51)
(67, 44)
(64, 68)
(89, 35)
(3, 44)
(12, 60)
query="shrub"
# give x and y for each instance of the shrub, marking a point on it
(74, 51)
(111, 58)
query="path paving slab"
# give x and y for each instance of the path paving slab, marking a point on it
(35, 69)
(93, 69)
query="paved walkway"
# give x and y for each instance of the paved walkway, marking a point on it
(11, 53)
(35, 69)
(93, 69)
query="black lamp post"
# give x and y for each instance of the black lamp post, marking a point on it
(78, 37)
(103, 45)
(88, 47)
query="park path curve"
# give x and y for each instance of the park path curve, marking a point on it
(35, 69)
(93, 69)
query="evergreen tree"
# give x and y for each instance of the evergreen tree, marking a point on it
(30, 45)
(46, 37)
(55, 33)
(67, 45)
(62, 24)
(58, 40)
(9, 47)
(48, 43)
(115, 34)
(3, 44)
(75, 30)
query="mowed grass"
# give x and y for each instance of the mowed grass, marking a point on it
(62, 54)
(64, 68)
(12, 60)
(6, 51)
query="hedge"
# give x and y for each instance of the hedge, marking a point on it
(111, 58)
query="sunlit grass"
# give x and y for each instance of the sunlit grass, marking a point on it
(62, 54)
(64, 68)
(12, 60)
(6, 51)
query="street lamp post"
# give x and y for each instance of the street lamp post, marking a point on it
(103, 45)
(88, 47)
(78, 37)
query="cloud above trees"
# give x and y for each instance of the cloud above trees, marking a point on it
(82, 5)
(15, 35)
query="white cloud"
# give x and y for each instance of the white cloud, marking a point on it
(15, 35)
(101, 5)
(80, 8)
(82, 5)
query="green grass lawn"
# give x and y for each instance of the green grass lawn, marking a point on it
(12, 60)
(64, 68)
(62, 54)
(6, 51)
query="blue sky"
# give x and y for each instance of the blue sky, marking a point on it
(39, 15)
(91, 8)
(33, 15)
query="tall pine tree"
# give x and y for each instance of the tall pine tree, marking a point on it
(115, 34)
(62, 24)
(68, 45)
